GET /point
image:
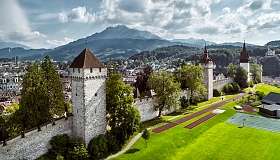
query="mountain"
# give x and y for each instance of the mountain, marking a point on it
(194, 42)
(22, 53)
(12, 45)
(237, 44)
(114, 42)
(274, 43)
(171, 52)
(122, 32)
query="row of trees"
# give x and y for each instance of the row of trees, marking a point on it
(42, 100)
(168, 86)
(240, 76)
(42, 95)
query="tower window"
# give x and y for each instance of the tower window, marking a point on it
(95, 94)
(73, 70)
(79, 70)
(90, 70)
(99, 69)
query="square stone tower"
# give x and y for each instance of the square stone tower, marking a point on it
(88, 76)
(244, 61)
(208, 67)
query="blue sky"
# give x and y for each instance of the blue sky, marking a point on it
(50, 23)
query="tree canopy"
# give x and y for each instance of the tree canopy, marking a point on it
(191, 77)
(167, 90)
(122, 117)
(256, 70)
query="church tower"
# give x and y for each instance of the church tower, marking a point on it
(88, 77)
(244, 61)
(208, 67)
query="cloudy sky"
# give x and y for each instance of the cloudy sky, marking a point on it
(50, 23)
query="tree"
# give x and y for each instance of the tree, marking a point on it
(191, 77)
(142, 80)
(34, 102)
(241, 77)
(231, 70)
(98, 147)
(146, 135)
(122, 117)
(166, 89)
(255, 70)
(54, 87)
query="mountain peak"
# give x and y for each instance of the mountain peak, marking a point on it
(123, 32)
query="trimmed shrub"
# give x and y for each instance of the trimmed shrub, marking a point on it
(184, 102)
(260, 95)
(98, 147)
(216, 93)
(65, 147)
(231, 88)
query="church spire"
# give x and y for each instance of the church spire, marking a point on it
(244, 57)
(205, 57)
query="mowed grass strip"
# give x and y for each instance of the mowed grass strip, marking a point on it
(266, 88)
(214, 139)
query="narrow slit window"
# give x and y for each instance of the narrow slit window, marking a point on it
(99, 69)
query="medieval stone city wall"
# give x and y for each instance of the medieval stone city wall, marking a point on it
(35, 143)
(219, 84)
(146, 109)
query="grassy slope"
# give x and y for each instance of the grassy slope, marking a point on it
(267, 88)
(214, 139)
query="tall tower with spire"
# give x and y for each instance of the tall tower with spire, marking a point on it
(244, 60)
(88, 77)
(208, 68)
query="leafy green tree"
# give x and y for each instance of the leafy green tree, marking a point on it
(191, 77)
(54, 87)
(146, 135)
(122, 117)
(255, 70)
(167, 90)
(34, 101)
(231, 70)
(241, 77)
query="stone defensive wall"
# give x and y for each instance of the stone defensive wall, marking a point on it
(220, 83)
(35, 143)
(146, 108)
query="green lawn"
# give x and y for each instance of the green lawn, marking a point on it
(267, 88)
(215, 139)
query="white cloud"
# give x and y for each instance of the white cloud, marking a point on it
(79, 14)
(15, 26)
(64, 41)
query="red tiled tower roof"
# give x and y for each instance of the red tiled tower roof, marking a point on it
(86, 59)
(244, 56)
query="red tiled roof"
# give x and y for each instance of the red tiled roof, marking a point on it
(86, 59)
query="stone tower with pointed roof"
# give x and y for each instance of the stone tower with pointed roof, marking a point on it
(88, 77)
(208, 67)
(244, 60)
